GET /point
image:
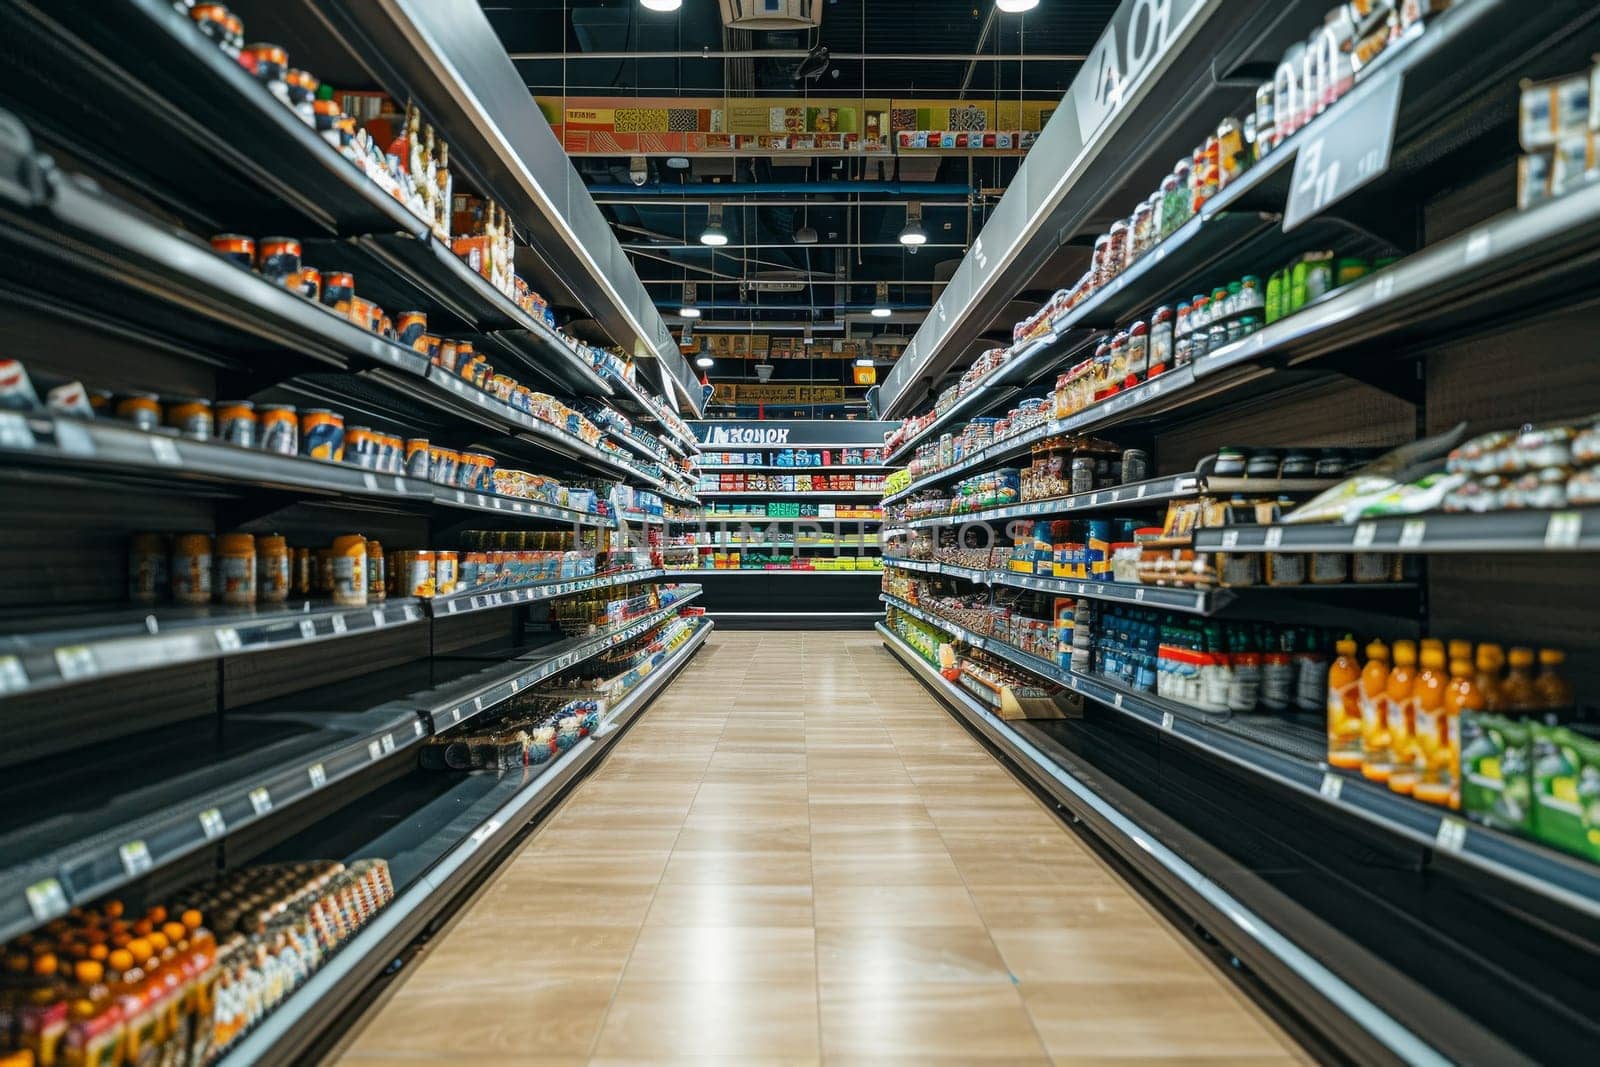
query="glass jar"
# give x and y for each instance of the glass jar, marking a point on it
(1100, 272)
(1138, 352)
(1117, 373)
(1117, 248)
(1231, 156)
(1143, 228)
(1161, 333)
(1265, 139)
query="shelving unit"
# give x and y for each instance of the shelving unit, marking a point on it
(155, 745)
(1239, 817)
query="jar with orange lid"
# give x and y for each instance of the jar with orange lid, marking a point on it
(192, 418)
(272, 568)
(349, 559)
(376, 589)
(236, 569)
(191, 568)
(147, 568)
(141, 409)
(446, 572)
(415, 576)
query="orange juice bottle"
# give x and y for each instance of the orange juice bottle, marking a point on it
(134, 994)
(41, 1013)
(1491, 660)
(1462, 697)
(1518, 692)
(1402, 714)
(1375, 762)
(1344, 707)
(94, 1035)
(1433, 784)
(1556, 698)
(1459, 650)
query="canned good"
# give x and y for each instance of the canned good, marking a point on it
(70, 398)
(417, 452)
(273, 568)
(147, 568)
(303, 86)
(305, 570)
(430, 347)
(236, 248)
(236, 422)
(444, 462)
(447, 355)
(385, 326)
(338, 289)
(100, 401)
(309, 283)
(412, 328)
(375, 571)
(212, 19)
(279, 429)
(280, 259)
(349, 557)
(270, 61)
(322, 573)
(1135, 465)
(467, 471)
(394, 453)
(361, 447)
(322, 434)
(191, 568)
(418, 573)
(236, 569)
(232, 35)
(445, 572)
(1081, 475)
(192, 418)
(325, 117)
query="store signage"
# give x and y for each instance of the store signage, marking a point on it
(1140, 32)
(781, 394)
(745, 435)
(794, 433)
(1343, 151)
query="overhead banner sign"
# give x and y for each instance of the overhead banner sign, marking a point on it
(778, 433)
(773, 393)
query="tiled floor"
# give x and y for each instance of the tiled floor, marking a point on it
(796, 856)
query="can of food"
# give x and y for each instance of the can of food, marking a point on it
(279, 429)
(270, 61)
(322, 434)
(304, 581)
(236, 569)
(418, 576)
(417, 453)
(236, 422)
(1081, 475)
(280, 259)
(303, 86)
(309, 283)
(147, 568)
(325, 117)
(100, 401)
(232, 35)
(384, 326)
(236, 248)
(430, 347)
(191, 568)
(447, 357)
(212, 19)
(445, 465)
(350, 570)
(338, 289)
(485, 473)
(445, 574)
(375, 571)
(361, 447)
(272, 568)
(411, 329)
(467, 470)
(192, 418)
(397, 454)
(1135, 465)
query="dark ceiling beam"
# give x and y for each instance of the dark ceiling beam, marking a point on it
(790, 245)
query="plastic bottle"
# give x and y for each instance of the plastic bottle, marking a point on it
(1556, 699)
(41, 1013)
(94, 1036)
(1400, 695)
(1434, 783)
(1518, 691)
(131, 988)
(1462, 700)
(1344, 707)
(1491, 660)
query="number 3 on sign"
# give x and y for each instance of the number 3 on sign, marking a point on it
(1316, 184)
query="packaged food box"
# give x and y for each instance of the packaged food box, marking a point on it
(1496, 765)
(1566, 790)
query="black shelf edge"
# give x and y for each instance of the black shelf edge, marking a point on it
(1189, 601)
(1563, 530)
(802, 494)
(474, 843)
(168, 820)
(834, 468)
(762, 520)
(697, 572)
(466, 601)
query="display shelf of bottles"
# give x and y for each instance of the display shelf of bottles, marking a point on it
(476, 599)
(802, 494)
(695, 572)
(823, 545)
(451, 834)
(1567, 530)
(639, 405)
(1169, 598)
(109, 828)
(768, 468)
(760, 520)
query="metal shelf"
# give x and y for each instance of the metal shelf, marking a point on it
(831, 468)
(769, 544)
(470, 600)
(697, 572)
(807, 494)
(1190, 601)
(62, 857)
(762, 520)
(1567, 530)
(638, 404)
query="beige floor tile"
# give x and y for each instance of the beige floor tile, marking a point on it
(739, 868)
(731, 904)
(478, 955)
(911, 954)
(555, 1017)
(939, 1023)
(744, 954)
(728, 1019)
(1196, 1019)
(1093, 954)
(1053, 906)
(896, 905)
(915, 868)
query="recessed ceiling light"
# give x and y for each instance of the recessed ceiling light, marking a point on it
(703, 362)
(689, 313)
(1010, 7)
(673, 5)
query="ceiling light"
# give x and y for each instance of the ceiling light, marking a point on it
(805, 235)
(678, 162)
(714, 234)
(703, 362)
(864, 361)
(689, 312)
(673, 5)
(913, 234)
(1010, 7)
(880, 310)
(691, 293)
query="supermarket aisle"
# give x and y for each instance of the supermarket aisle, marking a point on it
(802, 858)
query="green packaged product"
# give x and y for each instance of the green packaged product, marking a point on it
(1566, 789)
(1496, 784)
(1275, 286)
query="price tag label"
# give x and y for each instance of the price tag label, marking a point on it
(1365, 533)
(388, 743)
(374, 749)
(516, 685)
(1452, 835)
(455, 714)
(461, 498)
(165, 452)
(377, 617)
(1413, 533)
(416, 728)
(1273, 537)
(1167, 721)
(484, 832)
(1383, 287)
(228, 639)
(1230, 538)
(13, 678)
(1562, 531)
(1140, 492)
(260, 800)
(1138, 594)
(46, 900)
(1349, 147)
(1332, 786)
(14, 431)
(76, 661)
(477, 703)
(339, 625)
(135, 858)
(370, 480)
(212, 824)
(308, 629)
(318, 775)
(1479, 245)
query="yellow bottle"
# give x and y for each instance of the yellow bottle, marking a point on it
(1375, 762)
(1462, 697)
(1491, 661)
(1344, 707)
(1434, 783)
(1402, 714)
(1518, 691)
(1459, 650)
(1555, 694)
(94, 1035)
